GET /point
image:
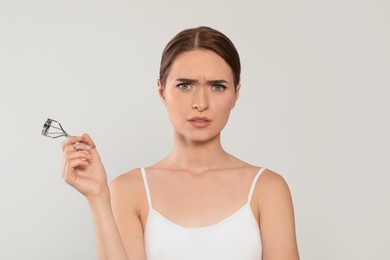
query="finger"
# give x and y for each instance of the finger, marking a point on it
(71, 140)
(69, 167)
(77, 162)
(78, 155)
(88, 140)
(76, 147)
(79, 146)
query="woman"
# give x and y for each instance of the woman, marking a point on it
(199, 202)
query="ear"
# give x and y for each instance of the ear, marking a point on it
(161, 91)
(237, 95)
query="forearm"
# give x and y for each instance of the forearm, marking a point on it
(108, 240)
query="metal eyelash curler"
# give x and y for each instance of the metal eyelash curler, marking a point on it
(53, 129)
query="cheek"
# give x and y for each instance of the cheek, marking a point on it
(222, 112)
(224, 105)
(176, 104)
(176, 108)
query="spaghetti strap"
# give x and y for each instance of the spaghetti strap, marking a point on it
(146, 187)
(254, 184)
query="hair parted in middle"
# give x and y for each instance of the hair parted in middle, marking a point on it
(200, 38)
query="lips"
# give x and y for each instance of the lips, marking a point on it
(199, 119)
(199, 122)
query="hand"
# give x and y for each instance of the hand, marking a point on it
(83, 168)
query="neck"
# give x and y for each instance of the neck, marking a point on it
(197, 155)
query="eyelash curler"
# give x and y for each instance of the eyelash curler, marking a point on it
(53, 129)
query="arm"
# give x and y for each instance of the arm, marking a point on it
(83, 170)
(128, 199)
(276, 218)
(108, 241)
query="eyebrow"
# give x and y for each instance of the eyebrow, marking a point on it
(211, 82)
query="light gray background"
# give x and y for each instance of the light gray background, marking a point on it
(313, 107)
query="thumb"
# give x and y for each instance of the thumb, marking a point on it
(88, 140)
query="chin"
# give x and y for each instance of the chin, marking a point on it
(200, 138)
(190, 134)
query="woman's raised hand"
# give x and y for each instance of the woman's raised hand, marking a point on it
(83, 168)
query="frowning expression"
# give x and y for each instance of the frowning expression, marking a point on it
(199, 94)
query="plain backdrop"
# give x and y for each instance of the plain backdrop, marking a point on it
(314, 107)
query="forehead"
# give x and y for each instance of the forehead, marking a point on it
(200, 64)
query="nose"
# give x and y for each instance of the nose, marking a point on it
(200, 102)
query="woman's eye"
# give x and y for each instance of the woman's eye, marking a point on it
(218, 87)
(184, 86)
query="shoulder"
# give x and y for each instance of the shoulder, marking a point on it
(271, 178)
(127, 196)
(130, 178)
(276, 217)
(271, 187)
(128, 186)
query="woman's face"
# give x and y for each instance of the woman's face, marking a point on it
(199, 94)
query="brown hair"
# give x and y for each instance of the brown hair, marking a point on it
(200, 38)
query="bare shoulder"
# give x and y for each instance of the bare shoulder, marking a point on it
(270, 177)
(128, 186)
(127, 178)
(272, 184)
(127, 194)
(277, 222)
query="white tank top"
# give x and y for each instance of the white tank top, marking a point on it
(236, 237)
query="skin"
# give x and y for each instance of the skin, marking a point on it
(212, 183)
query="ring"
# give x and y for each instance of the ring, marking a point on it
(74, 146)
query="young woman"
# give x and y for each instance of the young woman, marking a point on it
(199, 202)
